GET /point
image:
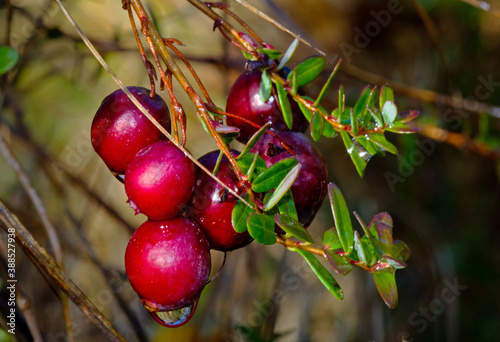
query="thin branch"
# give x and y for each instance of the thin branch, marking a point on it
(42, 260)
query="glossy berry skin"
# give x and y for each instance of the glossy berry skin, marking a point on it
(310, 186)
(244, 100)
(212, 206)
(168, 263)
(120, 130)
(159, 181)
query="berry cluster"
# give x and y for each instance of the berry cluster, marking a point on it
(168, 258)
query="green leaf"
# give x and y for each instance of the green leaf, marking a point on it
(380, 140)
(322, 273)
(363, 101)
(358, 162)
(400, 128)
(341, 101)
(293, 227)
(307, 113)
(240, 215)
(273, 54)
(394, 263)
(254, 139)
(385, 237)
(288, 54)
(339, 264)
(282, 188)
(285, 106)
(379, 121)
(328, 83)
(331, 239)
(273, 176)
(382, 217)
(386, 94)
(354, 122)
(8, 58)
(371, 148)
(385, 281)
(329, 131)
(261, 228)
(389, 112)
(341, 217)
(401, 251)
(265, 86)
(362, 254)
(286, 206)
(406, 116)
(251, 164)
(317, 126)
(307, 71)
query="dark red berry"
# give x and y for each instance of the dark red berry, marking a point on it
(310, 186)
(120, 130)
(244, 100)
(212, 205)
(159, 181)
(168, 264)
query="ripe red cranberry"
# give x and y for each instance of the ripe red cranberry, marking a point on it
(244, 100)
(159, 181)
(168, 265)
(310, 186)
(212, 205)
(120, 130)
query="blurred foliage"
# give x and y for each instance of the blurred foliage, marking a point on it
(444, 200)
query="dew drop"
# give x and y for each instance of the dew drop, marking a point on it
(175, 318)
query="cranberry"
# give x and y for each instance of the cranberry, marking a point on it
(168, 265)
(120, 129)
(159, 181)
(310, 186)
(244, 100)
(212, 205)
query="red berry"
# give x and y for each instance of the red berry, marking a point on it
(159, 181)
(244, 100)
(310, 186)
(168, 263)
(212, 205)
(120, 130)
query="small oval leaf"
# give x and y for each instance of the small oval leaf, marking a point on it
(261, 228)
(331, 239)
(339, 264)
(288, 54)
(293, 227)
(385, 281)
(308, 70)
(273, 176)
(386, 94)
(389, 112)
(8, 58)
(240, 215)
(285, 106)
(282, 188)
(342, 218)
(254, 139)
(265, 86)
(317, 126)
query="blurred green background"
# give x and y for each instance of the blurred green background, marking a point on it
(444, 200)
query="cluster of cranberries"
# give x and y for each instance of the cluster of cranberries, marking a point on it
(168, 257)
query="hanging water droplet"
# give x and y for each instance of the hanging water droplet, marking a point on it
(363, 153)
(175, 318)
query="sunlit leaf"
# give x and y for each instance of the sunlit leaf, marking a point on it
(293, 227)
(367, 145)
(273, 176)
(339, 264)
(288, 54)
(386, 94)
(328, 83)
(251, 164)
(406, 116)
(385, 237)
(273, 54)
(341, 100)
(381, 141)
(284, 102)
(307, 113)
(254, 139)
(376, 116)
(8, 58)
(261, 228)
(227, 133)
(389, 112)
(239, 216)
(308, 70)
(385, 281)
(282, 188)
(265, 86)
(322, 273)
(317, 126)
(286, 206)
(394, 262)
(363, 101)
(331, 239)
(341, 217)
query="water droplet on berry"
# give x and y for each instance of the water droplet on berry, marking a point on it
(175, 318)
